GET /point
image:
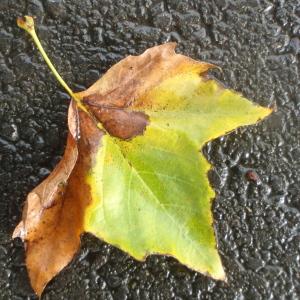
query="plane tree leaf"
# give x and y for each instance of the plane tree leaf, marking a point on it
(133, 173)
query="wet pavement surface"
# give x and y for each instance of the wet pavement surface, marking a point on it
(256, 170)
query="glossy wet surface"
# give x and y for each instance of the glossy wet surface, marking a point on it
(257, 217)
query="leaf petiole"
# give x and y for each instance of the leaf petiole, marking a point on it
(27, 23)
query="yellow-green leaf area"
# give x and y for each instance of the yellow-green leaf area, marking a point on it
(151, 195)
(200, 108)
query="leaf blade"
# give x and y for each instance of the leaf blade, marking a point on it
(185, 111)
(140, 233)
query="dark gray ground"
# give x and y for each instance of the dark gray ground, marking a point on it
(256, 42)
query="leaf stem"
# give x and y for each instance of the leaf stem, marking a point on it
(27, 23)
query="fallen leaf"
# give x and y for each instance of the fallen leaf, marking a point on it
(133, 173)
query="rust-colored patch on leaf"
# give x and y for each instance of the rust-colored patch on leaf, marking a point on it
(135, 75)
(53, 214)
(121, 123)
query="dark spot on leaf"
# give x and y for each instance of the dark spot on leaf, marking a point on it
(121, 123)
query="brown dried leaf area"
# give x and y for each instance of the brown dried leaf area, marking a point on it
(121, 123)
(53, 214)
